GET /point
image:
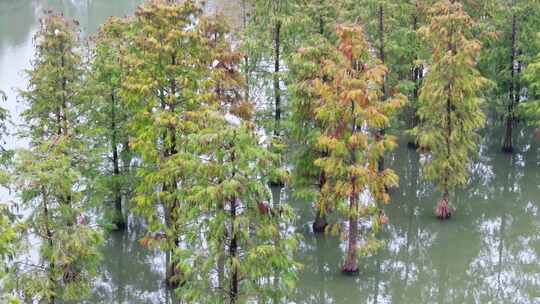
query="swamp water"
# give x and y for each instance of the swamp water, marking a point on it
(489, 252)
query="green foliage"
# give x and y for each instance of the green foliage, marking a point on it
(450, 111)
(247, 246)
(53, 190)
(501, 36)
(350, 107)
(391, 28)
(531, 108)
(109, 118)
(166, 114)
(316, 18)
(8, 232)
(49, 175)
(204, 169)
(8, 240)
(305, 69)
(54, 84)
(244, 237)
(164, 62)
(268, 40)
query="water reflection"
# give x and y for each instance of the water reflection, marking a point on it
(487, 253)
(130, 273)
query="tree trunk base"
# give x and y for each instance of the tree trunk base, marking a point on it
(350, 267)
(412, 145)
(507, 149)
(173, 279)
(443, 210)
(172, 283)
(277, 183)
(320, 224)
(119, 224)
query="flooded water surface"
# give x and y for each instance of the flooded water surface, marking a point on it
(489, 252)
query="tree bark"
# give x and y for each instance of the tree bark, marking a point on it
(233, 245)
(321, 20)
(49, 234)
(351, 262)
(118, 217)
(417, 73)
(382, 57)
(513, 95)
(247, 72)
(443, 210)
(233, 252)
(63, 128)
(277, 92)
(320, 223)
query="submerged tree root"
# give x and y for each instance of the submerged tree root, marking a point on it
(320, 224)
(412, 145)
(443, 210)
(350, 267)
(507, 149)
(175, 277)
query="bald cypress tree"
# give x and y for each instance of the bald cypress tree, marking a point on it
(319, 20)
(164, 61)
(109, 117)
(307, 178)
(450, 109)
(230, 228)
(350, 107)
(50, 175)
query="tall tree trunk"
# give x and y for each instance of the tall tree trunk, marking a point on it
(171, 271)
(351, 262)
(118, 217)
(382, 57)
(64, 125)
(233, 253)
(382, 53)
(321, 19)
(277, 92)
(320, 223)
(49, 234)
(417, 73)
(513, 95)
(247, 76)
(63, 84)
(233, 245)
(443, 210)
